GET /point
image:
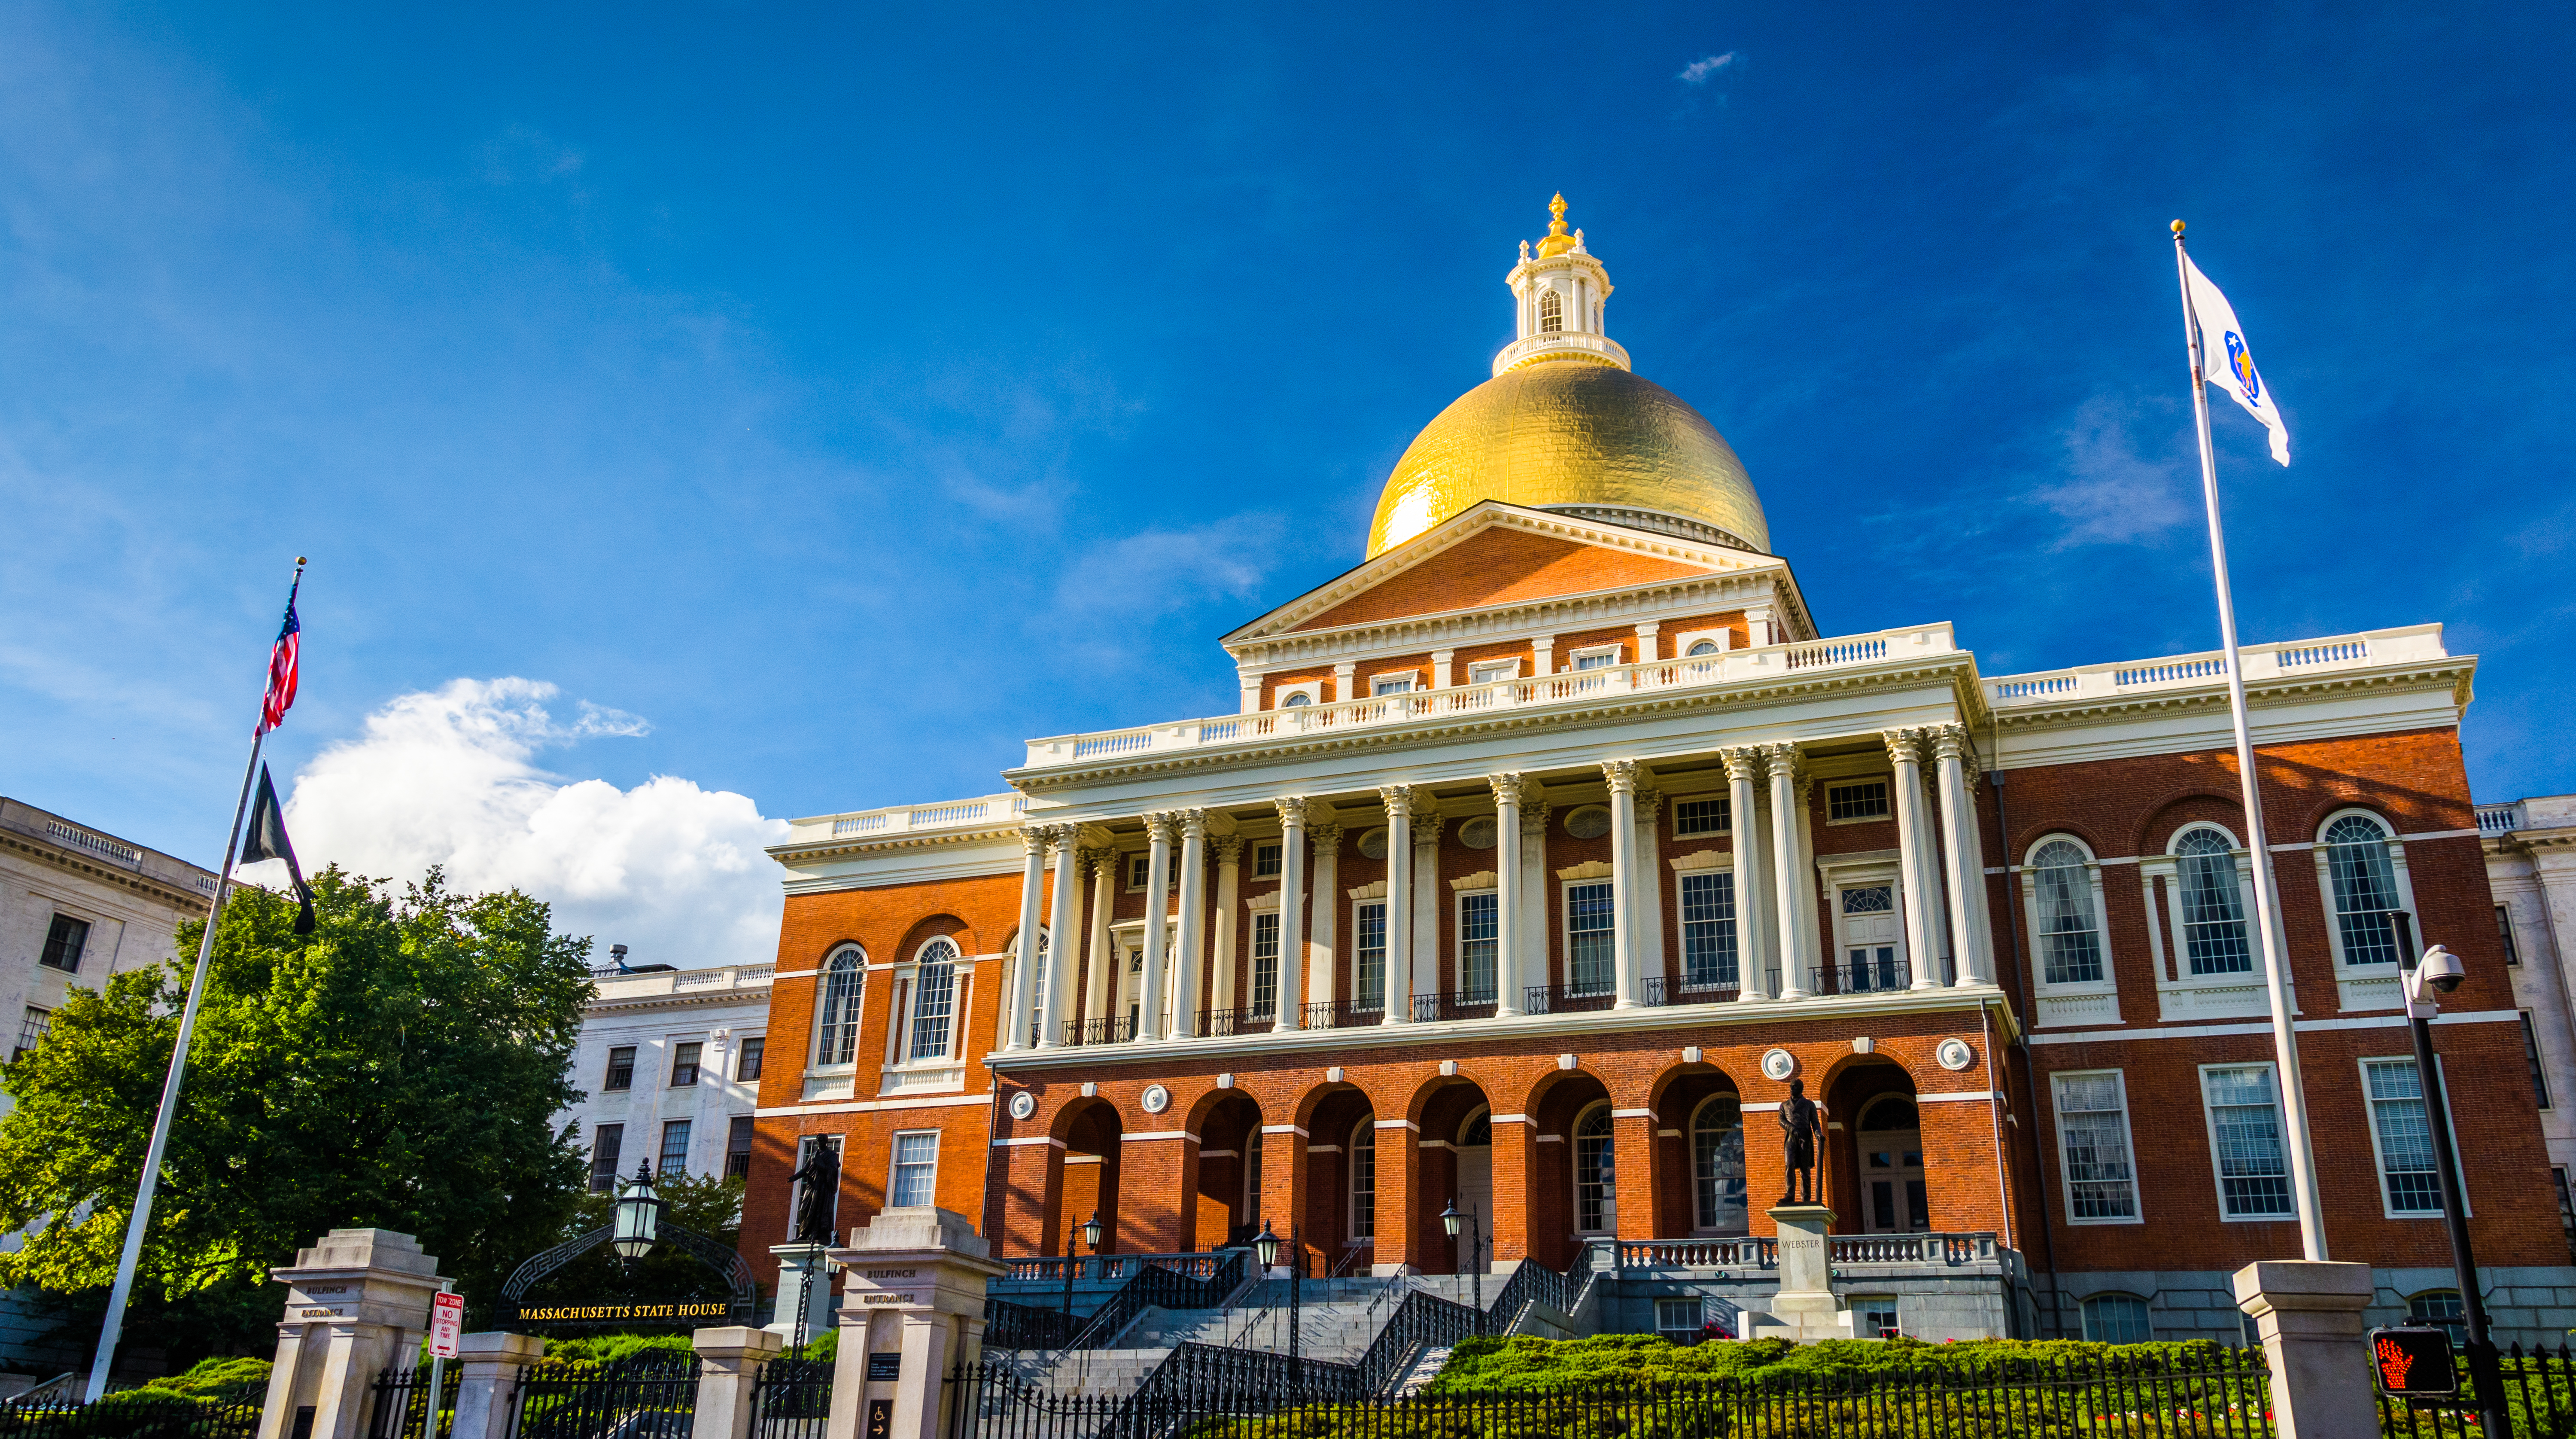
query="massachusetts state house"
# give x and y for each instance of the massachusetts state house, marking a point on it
(1551, 843)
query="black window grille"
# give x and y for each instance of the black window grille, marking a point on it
(605, 1141)
(621, 1068)
(675, 1149)
(684, 1064)
(738, 1147)
(748, 1067)
(64, 943)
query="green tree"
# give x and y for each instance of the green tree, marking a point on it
(399, 1067)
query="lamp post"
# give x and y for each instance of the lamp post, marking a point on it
(1449, 1222)
(2438, 973)
(1090, 1233)
(638, 1223)
(1266, 1247)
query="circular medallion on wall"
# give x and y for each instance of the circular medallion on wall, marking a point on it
(1023, 1104)
(1955, 1054)
(1157, 1099)
(1779, 1064)
(1590, 821)
(1477, 833)
(1373, 843)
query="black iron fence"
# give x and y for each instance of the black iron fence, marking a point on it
(1340, 1014)
(1227, 1023)
(1863, 976)
(133, 1414)
(1453, 1004)
(1153, 1286)
(1660, 990)
(652, 1395)
(1099, 1031)
(2539, 1400)
(1568, 998)
(401, 1408)
(792, 1399)
(1026, 1326)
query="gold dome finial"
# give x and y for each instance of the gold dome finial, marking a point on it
(1557, 241)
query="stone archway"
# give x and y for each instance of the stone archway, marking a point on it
(1453, 1139)
(1567, 1187)
(1092, 1135)
(1228, 1124)
(1708, 1192)
(1877, 1150)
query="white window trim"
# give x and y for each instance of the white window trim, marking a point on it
(1678, 800)
(1569, 880)
(1615, 650)
(1511, 668)
(1847, 782)
(1313, 690)
(1458, 928)
(1362, 898)
(2378, 1162)
(1724, 639)
(1134, 861)
(2364, 986)
(814, 1064)
(907, 984)
(1864, 870)
(1690, 1163)
(2172, 972)
(2280, 1117)
(1351, 1182)
(894, 1151)
(2128, 1139)
(2109, 983)
(1707, 861)
(1574, 1169)
(1410, 679)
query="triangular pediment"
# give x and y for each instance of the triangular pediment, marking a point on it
(1498, 554)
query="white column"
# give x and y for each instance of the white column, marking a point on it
(1648, 650)
(1343, 680)
(1024, 963)
(1158, 883)
(1324, 978)
(1229, 915)
(1507, 895)
(1917, 873)
(1099, 990)
(1542, 656)
(1193, 943)
(1755, 951)
(1061, 945)
(1796, 894)
(1622, 774)
(1251, 686)
(1537, 935)
(1966, 865)
(1292, 913)
(1441, 665)
(1399, 902)
(1427, 896)
(1649, 891)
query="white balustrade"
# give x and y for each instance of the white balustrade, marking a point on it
(991, 809)
(2209, 669)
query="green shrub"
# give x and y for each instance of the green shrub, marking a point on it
(609, 1348)
(226, 1380)
(1487, 1365)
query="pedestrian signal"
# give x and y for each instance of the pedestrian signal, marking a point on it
(2415, 1363)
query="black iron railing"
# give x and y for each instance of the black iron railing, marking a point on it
(1424, 1320)
(1012, 1325)
(132, 1414)
(1340, 1014)
(401, 1407)
(792, 1399)
(1224, 1023)
(1027, 1326)
(1453, 1004)
(1099, 1031)
(653, 1395)
(1863, 976)
(1569, 999)
(1660, 990)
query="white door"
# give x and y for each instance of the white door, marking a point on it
(1873, 943)
(1476, 1193)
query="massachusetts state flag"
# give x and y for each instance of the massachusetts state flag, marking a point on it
(281, 671)
(2225, 360)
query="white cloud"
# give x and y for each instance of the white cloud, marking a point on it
(1153, 572)
(2114, 495)
(446, 777)
(1698, 72)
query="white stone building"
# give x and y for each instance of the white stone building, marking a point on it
(669, 1065)
(2531, 866)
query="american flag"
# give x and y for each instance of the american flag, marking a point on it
(281, 668)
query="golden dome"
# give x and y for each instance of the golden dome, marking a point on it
(1590, 438)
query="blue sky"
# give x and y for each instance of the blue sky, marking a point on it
(820, 401)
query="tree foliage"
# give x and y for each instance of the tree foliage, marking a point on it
(400, 1067)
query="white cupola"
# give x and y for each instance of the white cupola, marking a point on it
(1559, 293)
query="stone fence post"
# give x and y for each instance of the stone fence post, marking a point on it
(2309, 1314)
(487, 1381)
(912, 1303)
(729, 1364)
(356, 1303)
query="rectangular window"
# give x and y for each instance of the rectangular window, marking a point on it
(621, 1068)
(1864, 800)
(1700, 816)
(1391, 685)
(2504, 931)
(738, 1147)
(2093, 1142)
(933, 999)
(2245, 1140)
(1708, 930)
(1873, 1316)
(1364, 1182)
(1486, 672)
(605, 1141)
(916, 1169)
(748, 1067)
(1479, 928)
(1677, 1320)
(1266, 860)
(1368, 957)
(684, 1063)
(1596, 659)
(2403, 1135)
(2531, 1053)
(64, 942)
(675, 1149)
(1588, 922)
(31, 1029)
(1265, 965)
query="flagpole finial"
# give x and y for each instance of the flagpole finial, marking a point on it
(299, 559)
(2177, 227)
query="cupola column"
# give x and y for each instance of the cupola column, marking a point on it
(1918, 876)
(1292, 913)
(1398, 799)
(1191, 940)
(1507, 895)
(1024, 960)
(1062, 944)
(1622, 775)
(1158, 908)
(1755, 952)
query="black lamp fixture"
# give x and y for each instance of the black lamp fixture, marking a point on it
(639, 1215)
(1266, 1245)
(1449, 1219)
(1091, 1232)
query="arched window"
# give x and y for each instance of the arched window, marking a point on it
(836, 1039)
(1596, 1187)
(1551, 312)
(2365, 890)
(934, 1000)
(1296, 698)
(2213, 906)
(2441, 1309)
(1364, 1179)
(2117, 1319)
(2068, 925)
(1717, 1164)
(1703, 649)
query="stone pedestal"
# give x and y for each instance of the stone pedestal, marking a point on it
(487, 1377)
(356, 1303)
(912, 1300)
(729, 1362)
(1805, 1309)
(2310, 1316)
(802, 1281)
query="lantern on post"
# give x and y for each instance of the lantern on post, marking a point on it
(639, 1215)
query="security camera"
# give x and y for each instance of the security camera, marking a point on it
(2441, 969)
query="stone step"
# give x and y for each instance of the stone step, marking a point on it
(1425, 1367)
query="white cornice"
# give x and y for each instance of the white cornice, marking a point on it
(2328, 705)
(813, 851)
(188, 903)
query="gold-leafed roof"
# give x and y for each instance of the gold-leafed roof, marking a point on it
(1564, 435)
(1557, 241)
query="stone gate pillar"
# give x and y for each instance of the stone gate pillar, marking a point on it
(912, 1308)
(356, 1303)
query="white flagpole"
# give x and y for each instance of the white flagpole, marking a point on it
(113, 1327)
(2276, 969)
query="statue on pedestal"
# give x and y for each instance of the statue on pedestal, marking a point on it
(821, 1176)
(1801, 1124)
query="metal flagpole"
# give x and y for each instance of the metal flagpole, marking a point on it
(114, 1325)
(2276, 969)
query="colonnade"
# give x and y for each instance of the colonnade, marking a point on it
(1780, 951)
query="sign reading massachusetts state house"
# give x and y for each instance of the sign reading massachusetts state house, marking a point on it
(682, 1311)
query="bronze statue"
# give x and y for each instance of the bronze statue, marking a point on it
(1800, 1126)
(821, 1176)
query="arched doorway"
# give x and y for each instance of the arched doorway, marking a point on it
(1701, 1186)
(1455, 1156)
(1341, 1213)
(1475, 1197)
(1229, 1196)
(1889, 1146)
(1574, 1177)
(1091, 1143)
